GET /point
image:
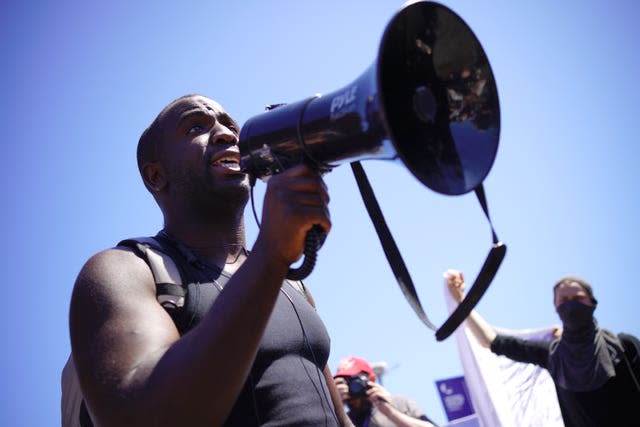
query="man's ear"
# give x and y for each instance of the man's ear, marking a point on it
(154, 176)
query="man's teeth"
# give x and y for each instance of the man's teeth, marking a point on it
(229, 163)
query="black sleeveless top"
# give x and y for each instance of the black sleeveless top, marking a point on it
(286, 386)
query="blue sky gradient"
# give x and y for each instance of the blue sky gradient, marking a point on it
(81, 80)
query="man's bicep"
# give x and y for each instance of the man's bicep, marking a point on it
(118, 330)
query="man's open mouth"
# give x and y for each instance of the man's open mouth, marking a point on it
(229, 160)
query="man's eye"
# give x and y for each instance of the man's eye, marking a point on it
(195, 129)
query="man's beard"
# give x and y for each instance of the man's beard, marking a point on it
(207, 193)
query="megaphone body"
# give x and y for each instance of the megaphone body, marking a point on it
(429, 100)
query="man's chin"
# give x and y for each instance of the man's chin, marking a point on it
(227, 170)
(227, 180)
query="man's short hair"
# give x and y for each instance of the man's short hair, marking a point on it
(148, 144)
(579, 280)
(151, 139)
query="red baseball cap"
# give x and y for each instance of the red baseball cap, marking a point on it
(353, 365)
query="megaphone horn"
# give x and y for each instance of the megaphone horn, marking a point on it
(429, 100)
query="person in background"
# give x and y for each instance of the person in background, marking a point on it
(595, 371)
(369, 403)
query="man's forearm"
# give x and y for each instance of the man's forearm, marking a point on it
(400, 419)
(483, 331)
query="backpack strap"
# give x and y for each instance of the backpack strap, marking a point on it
(170, 289)
(300, 287)
(169, 281)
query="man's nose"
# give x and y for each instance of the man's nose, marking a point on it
(223, 135)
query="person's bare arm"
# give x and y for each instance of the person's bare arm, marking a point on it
(401, 419)
(133, 366)
(482, 330)
(380, 396)
(118, 334)
(341, 414)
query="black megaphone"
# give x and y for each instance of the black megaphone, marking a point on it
(429, 100)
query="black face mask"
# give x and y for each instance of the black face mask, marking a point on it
(575, 315)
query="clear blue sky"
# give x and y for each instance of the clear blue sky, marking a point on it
(81, 80)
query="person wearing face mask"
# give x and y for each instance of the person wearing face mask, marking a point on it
(596, 372)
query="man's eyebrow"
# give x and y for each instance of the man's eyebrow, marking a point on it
(183, 117)
(227, 118)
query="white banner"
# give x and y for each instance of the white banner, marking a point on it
(504, 392)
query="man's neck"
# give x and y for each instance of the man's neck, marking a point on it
(215, 242)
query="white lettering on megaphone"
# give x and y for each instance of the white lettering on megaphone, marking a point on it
(343, 103)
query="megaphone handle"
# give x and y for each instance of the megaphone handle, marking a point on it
(312, 243)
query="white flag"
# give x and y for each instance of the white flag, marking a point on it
(504, 392)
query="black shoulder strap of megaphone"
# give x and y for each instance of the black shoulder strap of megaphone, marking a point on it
(480, 285)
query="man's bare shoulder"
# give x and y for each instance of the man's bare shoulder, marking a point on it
(118, 329)
(114, 292)
(114, 271)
